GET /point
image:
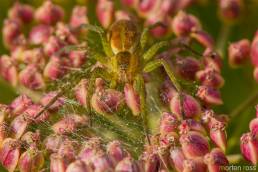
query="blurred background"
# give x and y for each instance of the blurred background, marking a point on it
(240, 90)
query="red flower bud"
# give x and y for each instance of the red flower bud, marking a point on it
(191, 125)
(32, 111)
(40, 34)
(48, 97)
(77, 58)
(216, 160)
(212, 60)
(19, 126)
(158, 31)
(9, 154)
(168, 123)
(21, 12)
(11, 33)
(194, 144)
(57, 163)
(127, 165)
(49, 13)
(249, 147)
(52, 46)
(81, 91)
(20, 104)
(132, 99)
(253, 126)
(187, 67)
(31, 138)
(194, 165)
(209, 95)
(78, 166)
(150, 160)
(105, 12)
(147, 7)
(218, 133)
(167, 92)
(210, 77)
(68, 150)
(230, 10)
(177, 158)
(238, 52)
(53, 142)
(115, 151)
(203, 38)
(101, 162)
(54, 69)
(8, 70)
(190, 106)
(79, 16)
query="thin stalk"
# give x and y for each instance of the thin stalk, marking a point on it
(222, 38)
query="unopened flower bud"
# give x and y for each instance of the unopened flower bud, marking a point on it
(18, 126)
(32, 112)
(218, 133)
(209, 95)
(176, 158)
(194, 165)
(81, 92)
(8, 70)
(22, 12)
(253, 126)
(79, 16)
(115, 151)
(238, 52)
(101, 162)
(9, 154)
(187, 67)
(68, 150)
(132, 99)
(105, 12)
(190, 106)
(158, 31)
(31, 139)
(184, 23)
(40, 34)
(77, 58)
(49, 13)
(54, 69)
(168, 123)
(48, 97)
(249, 147)
(147, 7)
(191, 125)
(78, 166)
(216, 160)
(52, 46)
(167, 91)
(230, 10)
(210, 77)
(194, 144)
(20, 104)
(53, 142)
(11, 33)
(127, 165)
(57, 163)
(150, 159)
(254, 50)
(212, 59)
(203, 38)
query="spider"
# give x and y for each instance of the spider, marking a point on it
(125, 60)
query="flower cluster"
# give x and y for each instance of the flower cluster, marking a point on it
(36, 51)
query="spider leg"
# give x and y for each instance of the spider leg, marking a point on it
(160, 62)
(69, 48)
(152, 51)
(140, 88)
(145, 34)
(106, 46)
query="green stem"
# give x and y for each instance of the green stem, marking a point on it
(222, 38)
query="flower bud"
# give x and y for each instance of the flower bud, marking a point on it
(81, 92)
(127, 165)
(54, 69)
(184, 23)
(254, 50)
(40, 34)
(249, 147)
(238, 52)
(218, 133)
(194, 165)
(78, 166)
(216, 160)
(49, 13)
(158, 31)
(168, 123)
(212, 60)
(9, 154)
(105, 12)
(107, 101)
(190, 106)
(53, 142)
(147, 7)
(167, 91)
(203, 38)
(187, 67)
(209, 95)
(150, 159)
(8, 70)
(57, 163)
(169, 139)
(101, 163)
(132, 99)
(177, 158)
(18, 126)
(32, 112)
(77, 58)
(3, 131)
(115, 151)
(230, 10)
(52, 46)
(63, 32)
(210, 77)
(31, 160)
(79, 16)
(69, 124)
(256, 74)
(4, 112)
(194, 144)
(20, 104)
(46, 99)
(11, 33)
(68, 150)
(21, 12)
(31, 139)
(191, 125)
(253, 126)
(31, 78)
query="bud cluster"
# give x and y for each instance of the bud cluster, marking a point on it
(39, 57)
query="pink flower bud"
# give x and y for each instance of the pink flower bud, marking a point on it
(18, 126)
(249, 147)
(256, 74)
(68, 150)
(187, 67)
(78, 166)
(150, 160)
(57, 163)
(77, 58)
(158, 31)
(212, 59)
(53, 142)
(31, 114)
(132, 99)
(107, 101)
(191, 125)
(167, 91)
(101, 162)
(31, 78)
(190, 106)
(49, 13)
(147, 7)
(69, 124)
(168, 123)
(194, 144)
(238, 52)
(127, 165)
(11, 33)
(81, 91)
(31, 160)
(105, 12)
(54, 69)
(8, 70)
(194, 165)
(209, 95)
(177, 158)
(254, 50)
(63, 32)
(79, 16)
(9, 154)
(218, 133)
(169, 139)
(31, 56)
(230, 10)
(20, 104)
(116, 152)
(210, 77)
(253, 126)
(203, 38)
(122, 15)
(21, 12)
(48, 97)
(183, 24)
(52, 46)
(31, 138)
(216, 160)
(40, 34)
(3, 131)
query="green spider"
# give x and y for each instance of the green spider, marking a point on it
(126, 60)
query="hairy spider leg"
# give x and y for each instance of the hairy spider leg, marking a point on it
(152, 51)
